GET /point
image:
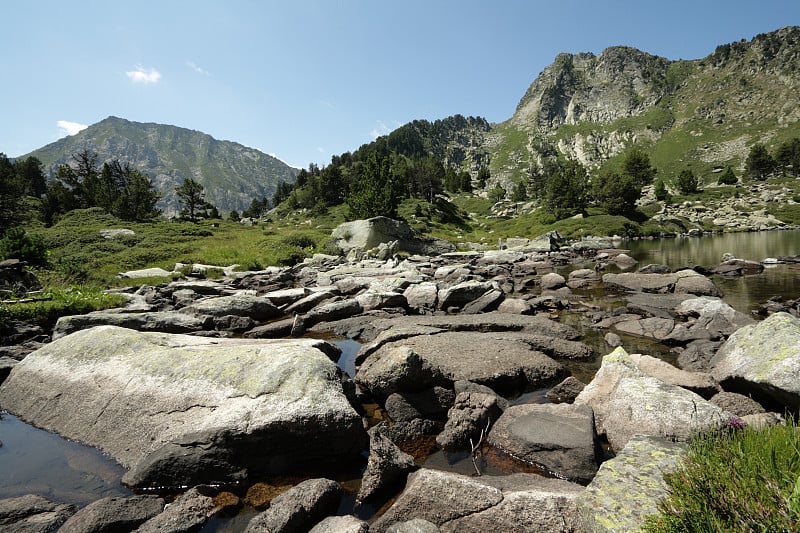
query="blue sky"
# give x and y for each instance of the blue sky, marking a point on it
(305, 80)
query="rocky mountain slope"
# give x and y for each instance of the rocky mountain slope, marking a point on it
(231, 174)
(705, 113)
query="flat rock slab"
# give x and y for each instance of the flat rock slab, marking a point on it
(490, 359)
(162, 321)
(179, 409)
(456, 503)
(682, 282)
(628, 487)
(763, 360)
(559, 437)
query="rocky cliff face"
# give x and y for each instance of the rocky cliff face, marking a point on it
(705, 112)
(231, 174)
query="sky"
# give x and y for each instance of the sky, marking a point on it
(308, 79)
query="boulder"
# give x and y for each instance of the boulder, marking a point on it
(154, 272)
(626, 401)
(332, 311)
(114, 514)
(502, 363)
(682, 282)
(179, 409)
(299, 508)
(712, 319)
(612, 339)
(738, 267)
(628, 487)
(515, 306)
(456, 503)
(284, 297)
(33, 514)
(160, 321)
(488, 301)
(378, 300)
(737, 404)
(257, 308)
(552, 281)
(386, 465)
(697, 355)
(471, 414)
(566, 391)
(432, 403)
(583, 278)
(422, 296)
(189, 512)
(416, 525)
(701, 383)
(459, 295)
(652, 328)
(762, 360)
(558, 437)
(624, 261)
(16, 279)
(341, 524)
(308, 302)
(363, 235)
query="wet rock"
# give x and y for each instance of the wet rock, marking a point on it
(298, 509)
(386, 464)
(341, 524)
(519, 502)
(624, 261)
(559, 437)
(738, 267)
(629, 487)
(468, 386)
(186, 514)
(487, 358)
(432, 403)
(471, 414)
(114, 514)
(33, 514)
(566, 391)
(626, 401)
(762, 360)
(737, 404)
(159, 321)
(256, 308)
(652, 328)
(404, 433)
(682, 282)
(178, 409)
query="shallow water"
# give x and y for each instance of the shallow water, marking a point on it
(36, 461)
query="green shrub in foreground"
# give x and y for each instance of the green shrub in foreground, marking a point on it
(737, 480)
(54, 303)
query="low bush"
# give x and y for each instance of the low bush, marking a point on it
(736, 479)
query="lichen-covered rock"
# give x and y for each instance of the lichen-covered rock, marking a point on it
(763, 360)
(179, 409)
(628, 487)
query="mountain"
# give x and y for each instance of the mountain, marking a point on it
(703, 113)
(231, 174)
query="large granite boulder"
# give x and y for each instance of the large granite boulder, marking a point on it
(763, 360)
(257, 308)
(627, 402)
(363, 235)
(629, 487)
(178, 409)
(457, 503)
(559, 437)
(504, 363)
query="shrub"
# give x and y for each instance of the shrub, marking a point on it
(18, 244)
(687, 182)
(735, 480)
(728, 177)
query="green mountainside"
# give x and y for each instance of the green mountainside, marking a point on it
(703, 113)
(231, 174)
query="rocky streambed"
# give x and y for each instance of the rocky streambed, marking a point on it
(522, 362)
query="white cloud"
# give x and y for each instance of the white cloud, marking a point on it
(380, 129)
(200, 70)
(143, 75)
(321, 150)
(66, 127)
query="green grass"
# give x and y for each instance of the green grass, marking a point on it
(732, 481)
(53, 303)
